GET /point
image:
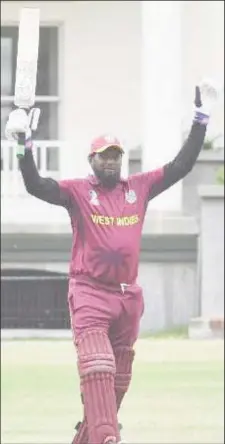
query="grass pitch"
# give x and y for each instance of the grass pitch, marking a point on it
(176, 394)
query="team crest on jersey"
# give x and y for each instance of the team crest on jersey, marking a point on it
(93, 197)
(131, 196)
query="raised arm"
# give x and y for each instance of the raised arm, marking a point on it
(155, 182)
(43, 188)
(182, 164)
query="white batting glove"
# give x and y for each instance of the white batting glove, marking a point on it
(18, 122)
(206, 94)
(21, 122)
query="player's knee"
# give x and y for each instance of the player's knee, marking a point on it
(124, 357)
(95, 353)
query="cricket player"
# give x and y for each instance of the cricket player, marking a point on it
(105, 302)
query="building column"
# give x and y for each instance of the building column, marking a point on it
(161, 92)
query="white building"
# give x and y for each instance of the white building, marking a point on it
(124, 67)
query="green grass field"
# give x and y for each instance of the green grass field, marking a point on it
(176, 394)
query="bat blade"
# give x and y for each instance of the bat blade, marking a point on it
(27, 58)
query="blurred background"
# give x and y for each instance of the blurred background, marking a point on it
(127, 68)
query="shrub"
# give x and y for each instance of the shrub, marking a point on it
(220, 175)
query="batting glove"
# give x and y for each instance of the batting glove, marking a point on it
(21, 122)
(205, 97)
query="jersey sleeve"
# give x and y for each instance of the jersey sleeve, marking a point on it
(66, 186)
(153, 183)
(71, 188)
(149, 183)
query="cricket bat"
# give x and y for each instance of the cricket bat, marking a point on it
(26, 67)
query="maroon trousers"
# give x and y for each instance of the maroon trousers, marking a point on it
(105, 324)
(116, 312)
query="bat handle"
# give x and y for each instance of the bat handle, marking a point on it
(21, 145)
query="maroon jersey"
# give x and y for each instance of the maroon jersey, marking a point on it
(107, 226)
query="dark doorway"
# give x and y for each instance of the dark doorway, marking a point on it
(34, 299)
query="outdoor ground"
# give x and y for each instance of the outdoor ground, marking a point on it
(176, 394)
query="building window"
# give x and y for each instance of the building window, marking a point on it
(47, 98)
